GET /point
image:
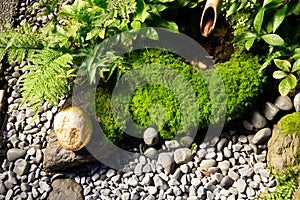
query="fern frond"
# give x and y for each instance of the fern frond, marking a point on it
(16, 45)
(42, 84)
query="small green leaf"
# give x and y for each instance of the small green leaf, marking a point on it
(135, 24)
(258, 20)
(284, 65)
(292, 80)
(141, 11)
(244, 36)
(279, 74)
(233, 8)
(273, 39)
(166, 24)
(296, 66)
(284, 87)
(278, 17)
(249, 43)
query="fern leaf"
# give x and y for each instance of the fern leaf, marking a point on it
(42, 84)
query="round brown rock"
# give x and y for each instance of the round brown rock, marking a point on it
(73, 128)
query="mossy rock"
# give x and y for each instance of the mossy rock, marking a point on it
(283, 157)
(242, 83)
(283, 147)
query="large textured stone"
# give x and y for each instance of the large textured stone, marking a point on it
(284, 103)
(65, 189)
(56, 158)
(15, 153)
(297, 102)
(282, 150)
(258, 120)
(166, 160)
(261, 135)
(151, 136)
(183, 155)
(73, 128)
(270, 110)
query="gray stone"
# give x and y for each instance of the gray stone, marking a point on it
(201, 153)
(246, 171)
(56, 158)
(38, 156)
(184, 168)
(147, 168)
(247, 125)
(172, 144)
(261, 135)
(110, 173)
(226, 182)
(213, 170)
(151, 136)
(151, 153)
(241, 185)
(254, 184)
(224, 165)
(158, 182)
(211, 155)
(258, 120)
(270, 110)
(297, 102)
(3, 189)
(133, 181)
(243, 139)
(227, 152)
(21, 167)
(186, 141)
(14, 154)
(9, 194)
(195, 182)
(284, 103)
(208, 163)
(65, 189)
(250, 192)
(232, 174)
(138, 170)
(182, 155)
(237, 147)
(166, 161)
(221, 144)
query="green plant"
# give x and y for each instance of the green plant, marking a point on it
(49, 69)
(289, 80)
(290, 124)
(286, 184)
(240, 95)
(87, 22)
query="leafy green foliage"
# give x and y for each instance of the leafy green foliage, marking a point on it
(16, 45)
(49, 69)
(240, 95)
(290, 124)
(289, 81)
(43, 82)
(87, 22)
(269, 29)
(286, 184)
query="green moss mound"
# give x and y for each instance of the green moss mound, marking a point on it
(155, 105)
(290, 124)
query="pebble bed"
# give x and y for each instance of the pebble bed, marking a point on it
(227, 168)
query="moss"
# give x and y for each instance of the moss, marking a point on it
(287, 180)
(290, 124)
(155, 105)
